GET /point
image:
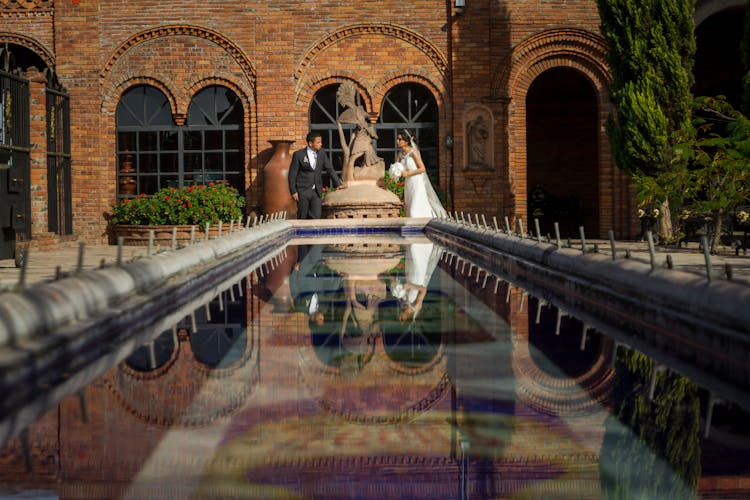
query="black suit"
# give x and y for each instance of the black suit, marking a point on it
(310, 278)
(302, 178)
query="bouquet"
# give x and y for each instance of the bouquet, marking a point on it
(397, 290)
(396, 170)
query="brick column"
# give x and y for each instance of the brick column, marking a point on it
(38, 156)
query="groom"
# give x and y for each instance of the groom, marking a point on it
(305, 177)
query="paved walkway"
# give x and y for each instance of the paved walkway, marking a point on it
(44, 265)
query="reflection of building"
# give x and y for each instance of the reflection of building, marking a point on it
(264, 403)
(191, 93)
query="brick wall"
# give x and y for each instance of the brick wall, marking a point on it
(276, 56)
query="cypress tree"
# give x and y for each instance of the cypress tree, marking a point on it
(651, 45)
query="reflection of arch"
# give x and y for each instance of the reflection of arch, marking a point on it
(152, 360)
(400, 393)
(184, 392)
(562, 396)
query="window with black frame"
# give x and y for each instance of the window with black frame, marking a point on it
(153, 152)
(411, 106)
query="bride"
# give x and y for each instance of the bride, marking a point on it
(419, 197)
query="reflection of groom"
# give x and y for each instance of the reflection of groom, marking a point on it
(311, 284)
(306, 179)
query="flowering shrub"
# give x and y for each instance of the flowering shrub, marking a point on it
(188, 205)
(396, 186)
(742, 216)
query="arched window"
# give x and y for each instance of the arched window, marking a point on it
(157, 153)
(411, 106)
(214, 143)
(154, 354)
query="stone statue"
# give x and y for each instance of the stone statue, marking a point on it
(362, 170)
(360, 159)
(477, 138)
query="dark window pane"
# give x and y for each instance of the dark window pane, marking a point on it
(235, 116)
(168, 181)
(143, 106)
(147, 164)
(323, 107)
(213, 139)
(214, 162)
(193, 140)
(168, 140)
(234, 139)
(193, 162)
(157, 109)
(147, 184)
(147, 141)
(169, 162)
(126, 141)
(237, 181)
(234, 162)
(386, 138)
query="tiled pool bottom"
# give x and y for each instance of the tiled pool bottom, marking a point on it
(472, 396)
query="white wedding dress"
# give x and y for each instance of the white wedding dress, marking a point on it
(420, 199)
(421, 261)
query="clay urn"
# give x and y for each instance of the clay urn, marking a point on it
(276, 196)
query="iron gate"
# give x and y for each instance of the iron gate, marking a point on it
(60, 217)
(15, 216)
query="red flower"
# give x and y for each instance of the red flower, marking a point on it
(168, 198)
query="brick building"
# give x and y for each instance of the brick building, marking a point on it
(507, 98)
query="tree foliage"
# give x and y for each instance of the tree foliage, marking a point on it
(651, 44)
(652, 447)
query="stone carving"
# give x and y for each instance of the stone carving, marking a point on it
(360, 159)
(478, 127)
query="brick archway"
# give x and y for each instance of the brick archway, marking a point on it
(24, 41)
(584, 52)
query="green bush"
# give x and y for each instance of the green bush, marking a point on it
(184, 206)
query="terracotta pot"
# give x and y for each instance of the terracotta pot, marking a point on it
(276, 195)
(127, 183)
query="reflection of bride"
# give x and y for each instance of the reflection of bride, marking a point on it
(420, 199)
(421, 261)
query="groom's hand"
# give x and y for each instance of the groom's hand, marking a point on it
(343, 185)
(295, 196)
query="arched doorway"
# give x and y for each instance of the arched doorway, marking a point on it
(562, 152)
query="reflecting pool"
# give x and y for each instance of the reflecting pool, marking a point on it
(377, 368)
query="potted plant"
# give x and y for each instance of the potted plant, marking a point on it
(179, 208)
